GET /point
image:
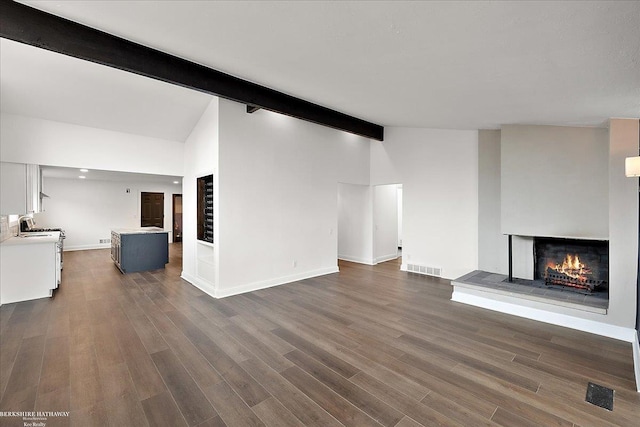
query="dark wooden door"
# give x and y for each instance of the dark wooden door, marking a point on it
(177, 218)
(152, 210)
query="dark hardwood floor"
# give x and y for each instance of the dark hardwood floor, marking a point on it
(367, 346)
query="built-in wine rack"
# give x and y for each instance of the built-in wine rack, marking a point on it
(205, 208)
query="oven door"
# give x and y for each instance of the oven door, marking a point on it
(58, 264)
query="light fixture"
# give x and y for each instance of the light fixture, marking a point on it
(84, 170)
(82, 177)
(176, 182)
(632, 166)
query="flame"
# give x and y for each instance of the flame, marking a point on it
(572, 267)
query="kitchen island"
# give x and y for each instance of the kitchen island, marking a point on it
(139, 249)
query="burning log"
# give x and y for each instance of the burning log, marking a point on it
(572, 273)
(554, 277)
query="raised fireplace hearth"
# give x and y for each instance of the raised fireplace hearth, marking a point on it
(573, 264)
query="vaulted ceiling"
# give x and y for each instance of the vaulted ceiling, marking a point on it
(452, 65)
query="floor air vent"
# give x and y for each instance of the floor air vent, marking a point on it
(600, 396)
(422, 269)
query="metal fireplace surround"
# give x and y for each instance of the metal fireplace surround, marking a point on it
(580, 265)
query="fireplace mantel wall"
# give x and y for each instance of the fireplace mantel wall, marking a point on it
(554, 181)
(620, 201)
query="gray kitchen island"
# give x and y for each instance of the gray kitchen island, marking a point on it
(139, 249)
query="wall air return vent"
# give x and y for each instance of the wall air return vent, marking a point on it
(425, 270)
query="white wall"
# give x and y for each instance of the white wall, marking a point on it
(438, 170)
(492, 244)
(278, 204)
(554, 179)
(200, 260)
(88, 209)
(400, 215)
(355, 223)
(623, 224)
(385, 218)
(44, 142)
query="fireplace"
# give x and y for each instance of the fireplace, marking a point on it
(579, 265)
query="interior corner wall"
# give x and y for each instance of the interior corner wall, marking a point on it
(355, 226)
(46, 142)
(438, 170)
(89, 209)
(200, 260)
(385, 222)
(492, 244)
(278, 196)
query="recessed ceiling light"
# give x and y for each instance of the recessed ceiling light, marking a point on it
(84, 170)
(82, 177)
(176, 182)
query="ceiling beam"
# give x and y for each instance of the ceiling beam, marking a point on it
(34, 27)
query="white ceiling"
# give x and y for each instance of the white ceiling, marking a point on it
(452, 65)
(39, 83)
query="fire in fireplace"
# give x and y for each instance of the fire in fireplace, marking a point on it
(581, 265)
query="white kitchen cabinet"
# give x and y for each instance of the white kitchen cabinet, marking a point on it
(34, 187)
(13, 188)
(29, 268)
(21, 188)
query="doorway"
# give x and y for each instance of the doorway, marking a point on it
(152, 210)
(369, 222)
(177, 218)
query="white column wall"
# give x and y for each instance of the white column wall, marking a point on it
(200, 261)
(355, 226)
(438, 170)
(278, 196)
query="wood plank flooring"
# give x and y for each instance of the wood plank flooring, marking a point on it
(369, 346)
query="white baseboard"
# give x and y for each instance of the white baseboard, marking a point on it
(203, 285)
(87, 247)
(585, 325)
(250, 287)
(387, 257)
(367, 261)
(636, 359)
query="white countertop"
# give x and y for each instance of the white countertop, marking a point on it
(33, 238)
(141, 230)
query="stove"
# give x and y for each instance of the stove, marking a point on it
(43, 230)
(27, 227)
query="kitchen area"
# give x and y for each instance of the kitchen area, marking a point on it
(49, 210)
(99, 138)
(31, 257)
